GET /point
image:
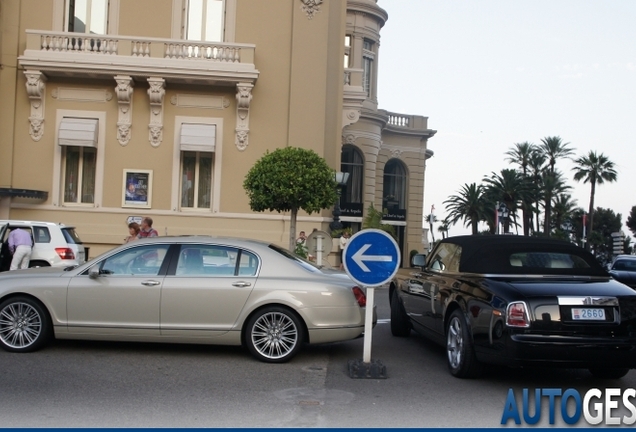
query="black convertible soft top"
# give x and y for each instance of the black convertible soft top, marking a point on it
(512, 254)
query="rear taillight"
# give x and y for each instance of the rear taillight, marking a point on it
(65, 253)
(361, 297)
(517, 315)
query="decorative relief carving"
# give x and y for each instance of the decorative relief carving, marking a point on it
(350, 116)
(243, 99)
(35, 88)
(349, 139)
(156, 92)
(199, 101)
(397, 153)
(311, 7)
(124, 91)
(81, 94)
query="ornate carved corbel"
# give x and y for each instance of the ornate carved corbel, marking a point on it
(311, 7)
(156, 92)
(124, 91)
(243, 99)
(35, 87)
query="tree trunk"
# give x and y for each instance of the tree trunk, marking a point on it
(292, 230)
(590, 213)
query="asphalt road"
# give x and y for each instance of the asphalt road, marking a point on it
(91, 384)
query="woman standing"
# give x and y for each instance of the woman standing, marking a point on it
(133, 229)
(344, 238)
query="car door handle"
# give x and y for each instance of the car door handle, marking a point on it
(241, 284)
(150, 283)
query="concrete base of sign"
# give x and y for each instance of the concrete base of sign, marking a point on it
(360, 369)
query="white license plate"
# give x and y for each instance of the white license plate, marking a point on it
(588, 314)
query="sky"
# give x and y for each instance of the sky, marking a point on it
(492, 73)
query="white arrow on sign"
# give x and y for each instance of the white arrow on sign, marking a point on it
(359, 257)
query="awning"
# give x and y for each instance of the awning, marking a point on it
(24, 193)
(78, 132)
(197, 137)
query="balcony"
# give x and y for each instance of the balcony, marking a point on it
(104, 56)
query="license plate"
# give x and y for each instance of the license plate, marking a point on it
(588, 314)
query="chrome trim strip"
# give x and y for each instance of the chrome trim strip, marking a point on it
(587, 301)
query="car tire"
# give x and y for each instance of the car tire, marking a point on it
(25, 325)
(609, 373)
(400, 324)
(274, 334)
(460, 353)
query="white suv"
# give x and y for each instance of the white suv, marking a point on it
(54, 245)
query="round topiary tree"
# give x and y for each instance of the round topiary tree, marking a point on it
(289, 179)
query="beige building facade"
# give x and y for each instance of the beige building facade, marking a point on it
(118, 109)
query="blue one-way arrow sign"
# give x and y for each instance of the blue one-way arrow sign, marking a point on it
(371, 257)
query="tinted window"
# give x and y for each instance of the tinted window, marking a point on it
(445, 258)
(547, 260)
(142, 260)
(624, 265)
(305, 264)
(41, 235)
(204, 260)
(71, 236)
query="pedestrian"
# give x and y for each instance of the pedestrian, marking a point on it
(344, 238)
(20, 246)
(146, 229)
(302, 238)
(133, 229)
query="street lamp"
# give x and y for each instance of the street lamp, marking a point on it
(503, 215)
(567, 226)
(341, 180)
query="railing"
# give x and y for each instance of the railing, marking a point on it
(139, 47)
(406, 121)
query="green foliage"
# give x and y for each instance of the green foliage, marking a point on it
(301, 250)
(373, 219)
(291, 178)
(340, 232)
(412, 254)
(631, 220)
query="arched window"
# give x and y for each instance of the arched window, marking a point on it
(394, 185)
(352, 163)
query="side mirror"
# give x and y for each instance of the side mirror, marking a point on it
(418, 260)
(93, 272)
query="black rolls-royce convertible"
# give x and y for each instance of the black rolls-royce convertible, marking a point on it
(518, 301)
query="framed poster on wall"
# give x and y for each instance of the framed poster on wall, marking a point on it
(137, 188)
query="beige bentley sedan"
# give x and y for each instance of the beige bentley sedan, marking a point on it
(200, 290)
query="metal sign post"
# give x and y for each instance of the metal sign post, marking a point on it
(371, 258)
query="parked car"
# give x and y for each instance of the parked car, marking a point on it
(518, 301)
(623, 269)
(162, 290)
(54, 245)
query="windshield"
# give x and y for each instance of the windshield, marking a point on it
(298, 260)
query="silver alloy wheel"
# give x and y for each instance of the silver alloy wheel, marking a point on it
(274, 335)
(455, 343)
(20, 325)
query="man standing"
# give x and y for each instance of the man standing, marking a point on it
(20, 246)
(146, 229)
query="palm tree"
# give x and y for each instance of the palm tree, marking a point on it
(594, 169)
(553, 184)
(537, 166)
(563, 207)
(468, 206)
(554, 148)
(521, 155)
(509, 187)
(444, 227)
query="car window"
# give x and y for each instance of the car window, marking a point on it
(547, 260)
(71, 236)
(299, 261)
(445, 258)
(204, 260)
(248, 264)
(142, 260)
(625, 265)
(41, 235)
